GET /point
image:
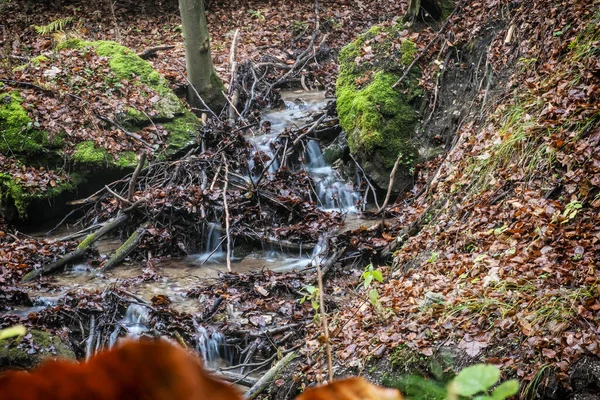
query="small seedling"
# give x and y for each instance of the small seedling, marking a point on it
(476, 382)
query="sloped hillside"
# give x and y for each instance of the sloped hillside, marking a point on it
(497, 259)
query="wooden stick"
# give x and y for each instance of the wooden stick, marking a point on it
(151, 51)
(130, 244)
(324, 322)
(135, 176)
(391, 184)
(228, 255)
(80, 250)
(266, 379)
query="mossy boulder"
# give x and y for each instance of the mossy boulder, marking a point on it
(380, 121)
(90, 159)
(31, 350)
(18, 133)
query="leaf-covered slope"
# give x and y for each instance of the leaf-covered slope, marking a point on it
(511, 229)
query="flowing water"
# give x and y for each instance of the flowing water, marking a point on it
(178, 276)
(332, 192)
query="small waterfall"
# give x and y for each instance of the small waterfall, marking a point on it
(135, 322)
(333, 193)
(211, 237)
(211, 345)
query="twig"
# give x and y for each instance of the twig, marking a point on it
(391, 184)
(114, 16)
(233, 91)
(118, 196)
(135, 176)
(310, 130)
(125, 131)
(324, 322)
(213, 252)
(367, 180)
(435, 39)
(197, 94)
(228, 255)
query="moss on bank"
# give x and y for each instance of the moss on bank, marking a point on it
(378, 119)
(182, 132)
(87, 153)
(46, 345)
(18, 133)
(126, 64)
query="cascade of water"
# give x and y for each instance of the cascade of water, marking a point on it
(212, 237)
(135, 322)
(332, 191)
(211, 345)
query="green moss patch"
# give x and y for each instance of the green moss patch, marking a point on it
(46, 345)
(126, 65)
(380, 121)
(182, 132)
(18, 133)
(87, 153)
(127, 159)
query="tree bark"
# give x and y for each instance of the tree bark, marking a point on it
(201, 73)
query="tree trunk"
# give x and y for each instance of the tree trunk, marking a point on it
(201, 73)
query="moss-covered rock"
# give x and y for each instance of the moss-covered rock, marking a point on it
(18, 133)
(90, 166)
(126, 65)
(16, 353)
(380, 121)
(182, 133)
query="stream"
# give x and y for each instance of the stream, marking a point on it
(179, 275)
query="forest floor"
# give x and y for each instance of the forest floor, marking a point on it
(495, 248)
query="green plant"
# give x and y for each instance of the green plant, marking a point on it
(571, 211)
(53, 26)
(311, 293)
(433, 257)
(299, 26)
(368, 276)
(257, 15)
(477, 381)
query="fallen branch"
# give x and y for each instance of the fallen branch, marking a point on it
(228, 255)
(135, 176)
(266, 379)
(130, 244)
(268, 332)
(237, 378)
(151, 51)
(80, 250)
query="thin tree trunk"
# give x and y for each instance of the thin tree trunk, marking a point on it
(197, 56)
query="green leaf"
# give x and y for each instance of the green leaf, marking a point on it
(506, 389)
(378, 276)
(475, 379)
(310, 289)
(483, 398)
(368, 280)
(17, 330)
(315, 305)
